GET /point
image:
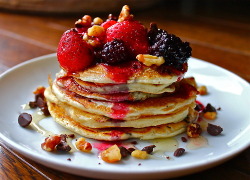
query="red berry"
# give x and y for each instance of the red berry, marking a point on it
(73, 53)
(108, 23)
(132, 33)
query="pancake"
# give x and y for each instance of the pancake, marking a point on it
(114, 134)
(129, 72)
(71, 85)
(127, 110)
(132, 87)
(111, 88)
(98, 121)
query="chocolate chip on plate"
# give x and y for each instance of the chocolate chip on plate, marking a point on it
(214, 130)
(149, 149)
(184, 139)
(24, 119)
(124, 152)
(179, 152)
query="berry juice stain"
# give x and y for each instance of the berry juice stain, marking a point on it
(122, 72)
(116, 135)
(101, 146)
(119, 110)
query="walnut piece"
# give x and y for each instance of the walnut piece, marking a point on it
(95, 31)
(84, 22)
(83, 145)
(112, 154)
(149, 60)
(202, 90)
(139, 154)
(97, 21)
(125, 14)
(194, 130)
(210, 115)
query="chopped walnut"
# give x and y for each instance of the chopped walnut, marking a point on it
(97, 21)
(85, 37)
(93, 42)
(39, 90)
(50, 143)
(194, 130)
(125, 14)
(202, 90)
(83, 145)
(112, 154)
(90, 40)
(96, 31)
(139, 154)
(149, 60)
(56, 142)
(84, 22)
(210, 115)
(209, 112)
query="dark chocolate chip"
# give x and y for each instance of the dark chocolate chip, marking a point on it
(131, 149)
(179, 152)
(32, 104)
(63, 146)
(124, 152)
(209, 108)
(45, 110)
(40, 102)
(184, 139)
(213, 129)
(198, 107)
(149, 149)
(24, 119)
(39, 95)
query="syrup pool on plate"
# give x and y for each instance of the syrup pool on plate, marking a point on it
(164, 145)
(196, 143)
(37, 116)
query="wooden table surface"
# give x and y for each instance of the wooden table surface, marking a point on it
(219, 32)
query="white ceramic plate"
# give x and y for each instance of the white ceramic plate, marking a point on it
(226, 90)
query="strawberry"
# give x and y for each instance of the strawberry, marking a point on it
(132, 33)
(108, 23)
(73, 53)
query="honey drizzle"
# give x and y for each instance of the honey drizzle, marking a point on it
(37, 116)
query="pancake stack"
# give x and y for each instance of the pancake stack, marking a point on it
(146, 107)
(132, 98)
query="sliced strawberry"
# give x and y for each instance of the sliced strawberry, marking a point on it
(73, 53)
(133, 34)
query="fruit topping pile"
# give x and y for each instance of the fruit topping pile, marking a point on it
(119, 40)
(170, 47)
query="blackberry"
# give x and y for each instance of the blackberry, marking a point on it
(172, 48)
(209, 108)
(114, 52)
